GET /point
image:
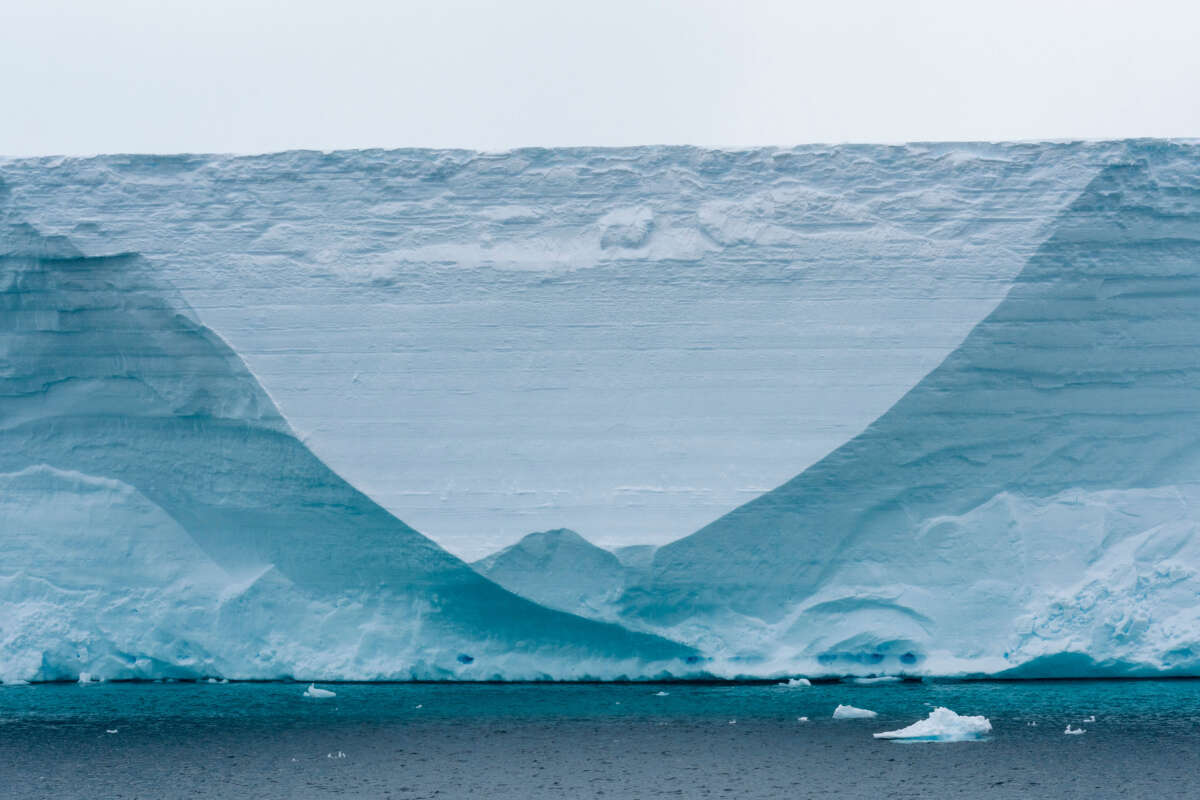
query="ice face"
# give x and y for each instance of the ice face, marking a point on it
(627, 342)
(161, 519)
(560, 569)
(1027, 507)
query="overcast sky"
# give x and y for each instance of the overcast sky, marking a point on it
(81, 76)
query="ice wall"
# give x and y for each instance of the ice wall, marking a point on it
(159, 517)
(626, 342)
(1029, 506)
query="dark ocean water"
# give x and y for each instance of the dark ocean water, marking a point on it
(581, 741)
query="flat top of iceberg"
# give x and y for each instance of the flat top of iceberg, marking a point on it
(942, 725)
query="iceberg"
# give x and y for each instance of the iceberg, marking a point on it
(1027, 509)
(942, 725)
(160, 518)
(850, 712)
(314, 692)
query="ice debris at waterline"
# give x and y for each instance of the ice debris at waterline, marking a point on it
(1074, 731)
(796, 683)
(942, 725)
(159, 517)
(313, 691)
(1028, 509)
(850, 712)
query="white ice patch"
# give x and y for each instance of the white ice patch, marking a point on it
(942, 725)
(795, 683)
(313, 691)
(850, 712)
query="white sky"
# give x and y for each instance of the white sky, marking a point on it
(86, 77)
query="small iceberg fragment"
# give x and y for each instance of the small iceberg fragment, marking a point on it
(16, 682)
(1030, 724)
(85, 678)
(662, 694)
(795, 683)
(110, 730)
(801, 719)
(942, 725)
(850, 712)
(1074, 731)
(313, 691)
(1092, 718)
(879, 679)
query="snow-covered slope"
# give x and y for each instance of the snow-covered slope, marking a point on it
(562, 570)
(1030, 506)
(159, 517)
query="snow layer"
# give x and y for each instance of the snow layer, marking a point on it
(942, 725)
(159, 518)
(626, 342)
(1028, 508)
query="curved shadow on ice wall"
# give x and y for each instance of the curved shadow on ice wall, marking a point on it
(1032, 495)
(122, 419)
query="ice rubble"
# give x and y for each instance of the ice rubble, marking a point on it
(942, 725)
(1028, 508)
(160, 519)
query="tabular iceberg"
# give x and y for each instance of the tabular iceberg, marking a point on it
(159, 518)
(1028, 508)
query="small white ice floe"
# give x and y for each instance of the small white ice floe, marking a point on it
(850, 712)
(85, 678)
(942, 725)
(110, 730)
(313, 691)
(733, 722)
(662, 694)
(1074, 731)
(801, 719)
(338, 754)
(1092, 718)
(16, 682)
(880, 679)
(1030, 724)
(796, 683)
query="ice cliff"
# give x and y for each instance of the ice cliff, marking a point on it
(1029, 507)
(159, 518)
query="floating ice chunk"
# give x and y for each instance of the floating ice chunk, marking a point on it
(1092, 718)
(313, 691)
(942, 725)
(796, 682)
(110, 730)
(1074, 731)
(338, 754)
(850, 712)
(801, 719)
(662, 694)
(85, 678)
(1030, 724)
(16, 682)
(879, 679)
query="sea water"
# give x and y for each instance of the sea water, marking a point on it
(269, 740)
